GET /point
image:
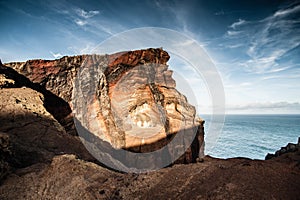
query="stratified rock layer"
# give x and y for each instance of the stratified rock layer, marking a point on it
(127, 99)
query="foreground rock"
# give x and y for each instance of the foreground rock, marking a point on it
(29, 134)
(70, 178)
(290, 147)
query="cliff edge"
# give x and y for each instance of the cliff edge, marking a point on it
(42, 156)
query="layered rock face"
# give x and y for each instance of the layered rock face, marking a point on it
(127, 99)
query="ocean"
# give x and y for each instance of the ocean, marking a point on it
(252, 136)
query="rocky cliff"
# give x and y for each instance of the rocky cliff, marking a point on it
(42, 157)
(127, 99)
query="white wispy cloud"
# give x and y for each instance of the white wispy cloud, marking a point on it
(234, 46)
(88, 20)
(267, 40)
(56, 55)
(185, 43)
(86, 14)
(86, 48)
(179, 16)
(238, 23)
(266, 105)
(233, 33)
(80, 22)
(288, 11)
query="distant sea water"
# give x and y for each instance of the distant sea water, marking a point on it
(253, 136)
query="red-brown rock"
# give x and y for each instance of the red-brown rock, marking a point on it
(128, 99)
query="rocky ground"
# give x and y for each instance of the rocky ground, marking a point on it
(67, 177)
(41, 158)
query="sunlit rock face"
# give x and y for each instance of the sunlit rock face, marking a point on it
(127, 99)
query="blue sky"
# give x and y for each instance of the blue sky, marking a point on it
(255, 45)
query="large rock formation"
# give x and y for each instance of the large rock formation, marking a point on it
(37, 158)
(127, 99)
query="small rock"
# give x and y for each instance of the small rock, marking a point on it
(102, 192)
(291, 147)
(269, 156)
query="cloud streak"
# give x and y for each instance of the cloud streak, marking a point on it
(266, 40)
(238, 23)
(288, 11)
(80, 22)
(56, 55)
(266, 105)
(86, 14)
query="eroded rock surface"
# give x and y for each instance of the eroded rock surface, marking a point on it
(127, 99)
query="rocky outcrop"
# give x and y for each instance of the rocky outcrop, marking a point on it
(5, 82)
(55, 76)
(127, 99)
(289, 148)
(55, 105)
(29, 133)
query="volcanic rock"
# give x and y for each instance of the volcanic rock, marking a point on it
(127, 99)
